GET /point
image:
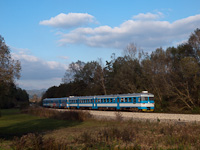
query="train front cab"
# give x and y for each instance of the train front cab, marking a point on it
(147, 103)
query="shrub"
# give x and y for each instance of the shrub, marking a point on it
(37, 142)
(65, 115)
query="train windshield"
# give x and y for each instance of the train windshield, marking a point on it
(151, 98)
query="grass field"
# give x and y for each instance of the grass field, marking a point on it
(13, 123)
(24, 131)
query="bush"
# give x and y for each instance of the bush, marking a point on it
(54, 114)
(37, 142)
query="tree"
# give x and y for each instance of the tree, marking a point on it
(9, 71)
(73, 72)
(9, 68)
(194, 42)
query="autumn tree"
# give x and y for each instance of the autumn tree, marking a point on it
(9, 71)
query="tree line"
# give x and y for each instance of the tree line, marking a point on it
(171, 74)
(10, 94)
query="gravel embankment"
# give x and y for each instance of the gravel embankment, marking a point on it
(148, 116)
(162, 117)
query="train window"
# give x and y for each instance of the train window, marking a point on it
(144, 98)
(134, 99)
(126, 100)
(99, 101)
(111, 100)
(104, 100)
(107, 100)
(122, 100)
(139, 99)
(129, 99)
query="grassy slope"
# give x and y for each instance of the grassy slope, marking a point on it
(103, 134)
(12, 123)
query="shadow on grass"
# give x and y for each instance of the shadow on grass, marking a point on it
(34, 126)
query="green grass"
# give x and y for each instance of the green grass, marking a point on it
(12, 123)
(92, 134)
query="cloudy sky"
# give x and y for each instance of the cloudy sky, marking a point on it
(48, 35)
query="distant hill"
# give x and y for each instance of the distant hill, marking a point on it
(39, 93)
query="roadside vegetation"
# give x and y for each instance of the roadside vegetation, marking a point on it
(33, 131)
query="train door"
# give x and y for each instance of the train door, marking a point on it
(118, 101)
(77, 103)
(94, 103)
(95, 106)
(67, 103)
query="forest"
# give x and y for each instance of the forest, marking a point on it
(171, 74)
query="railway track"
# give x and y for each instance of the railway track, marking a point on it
(161, 117)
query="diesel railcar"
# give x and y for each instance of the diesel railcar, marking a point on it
(135, 102)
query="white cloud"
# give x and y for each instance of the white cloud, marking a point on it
(37, 73)
(148, 34)
(69, 20)
(39, 84)
(64, 57)
(148, 16)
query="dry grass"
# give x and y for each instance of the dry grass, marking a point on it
(116, 134)
(64, 115)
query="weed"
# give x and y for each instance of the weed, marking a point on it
(105, 135)
(118, 116)
(37, 142)
(65, 115)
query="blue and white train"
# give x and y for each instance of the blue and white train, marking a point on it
(135, 102)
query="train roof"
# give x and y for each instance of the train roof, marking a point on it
(104, 96)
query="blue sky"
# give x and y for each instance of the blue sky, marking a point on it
(47, 35)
